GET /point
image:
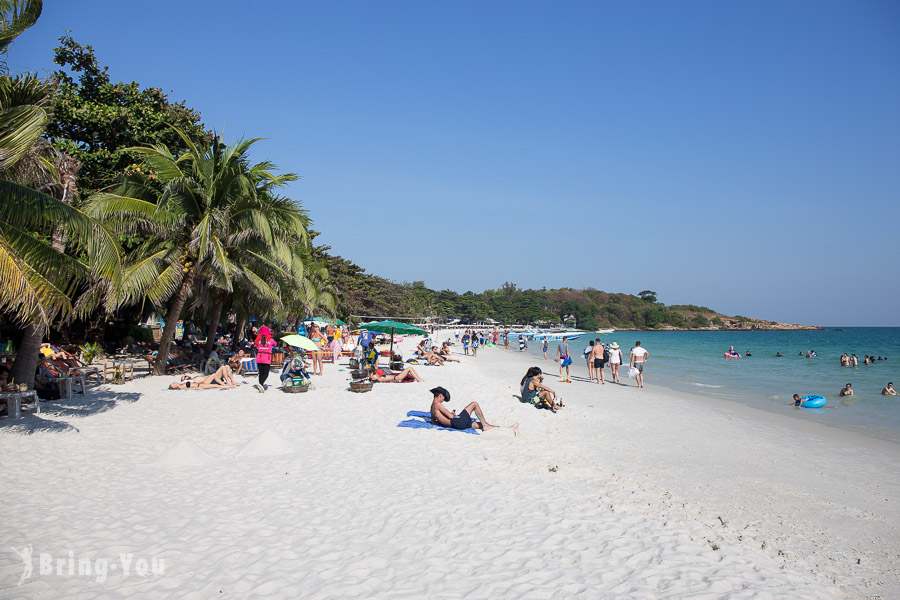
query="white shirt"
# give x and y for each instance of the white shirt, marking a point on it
(639, 354)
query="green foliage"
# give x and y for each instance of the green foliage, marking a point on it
(97, 121)
(90, 351)
(647, 296)
(718, 322)
(700, 321)
(15, 17)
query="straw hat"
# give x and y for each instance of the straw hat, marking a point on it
(614, 345)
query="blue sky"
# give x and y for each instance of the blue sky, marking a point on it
(743, 156)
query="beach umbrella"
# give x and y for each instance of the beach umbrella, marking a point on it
(393, 327)
(299, 341)
(339, 322)
(319, 319)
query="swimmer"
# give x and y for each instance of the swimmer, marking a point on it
(889, 390)
(846, 391)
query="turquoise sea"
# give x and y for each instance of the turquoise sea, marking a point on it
(693, 361)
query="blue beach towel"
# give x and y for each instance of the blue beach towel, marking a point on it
(418, 423)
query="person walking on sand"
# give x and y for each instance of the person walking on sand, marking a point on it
(615, 359)
(545, 345)
(598, 359)
(589, 359)
(445, 418)
(562, 355)
(638, 357)
(264, 345)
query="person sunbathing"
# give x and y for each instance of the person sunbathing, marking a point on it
(538, 394)
(443, 417)
(222, 378)
(445, 353)
(407, 374)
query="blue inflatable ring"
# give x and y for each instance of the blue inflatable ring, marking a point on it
(812, 401)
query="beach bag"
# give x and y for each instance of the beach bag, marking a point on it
(566, 361)
(632, 372)
(606, 355)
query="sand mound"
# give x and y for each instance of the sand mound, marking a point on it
(185, 454)
(268, 443)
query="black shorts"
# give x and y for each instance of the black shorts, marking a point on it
(599, 363)
(461, 421)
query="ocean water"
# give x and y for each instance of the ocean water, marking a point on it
(693, 361)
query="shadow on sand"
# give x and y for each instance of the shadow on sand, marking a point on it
(61, 411)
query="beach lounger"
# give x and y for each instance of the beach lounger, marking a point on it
(249, 366)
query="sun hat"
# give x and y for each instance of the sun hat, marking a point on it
(265, 330)
(614, 345)
(440, 390)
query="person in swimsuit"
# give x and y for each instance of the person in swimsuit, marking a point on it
(315, 334)
(538, 394)
(407, 374)
(889, 390)
(846, 391)
(445, 352)
(223, 378)
(445, 418)
(599, 361)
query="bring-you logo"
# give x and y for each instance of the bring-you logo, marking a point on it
(98, 568)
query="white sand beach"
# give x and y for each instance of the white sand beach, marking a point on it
(626, 493)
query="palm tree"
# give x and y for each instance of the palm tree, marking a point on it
(15, 17)
(204, 222)
(39, 277)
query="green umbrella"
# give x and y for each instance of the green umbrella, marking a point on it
(299, 341)
(339, 322)
(393, 327)
(319, 319)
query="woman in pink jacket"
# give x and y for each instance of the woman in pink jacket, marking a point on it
(264, 345)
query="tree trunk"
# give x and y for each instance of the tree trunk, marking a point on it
(239, 331)
(25, 365)
(214, 322)
(168, 336)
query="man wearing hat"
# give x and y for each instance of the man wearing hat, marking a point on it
(443, 417)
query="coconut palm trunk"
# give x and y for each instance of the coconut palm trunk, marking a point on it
(213, 326)
(168, 336)
(25, 365)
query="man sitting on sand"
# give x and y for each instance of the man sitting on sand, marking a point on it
(889, 390)
(443, 417)
(407, 374)
(222, 378)
(845, 391)
(445, 352)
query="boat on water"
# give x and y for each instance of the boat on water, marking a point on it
(605, 331)
(548, 334)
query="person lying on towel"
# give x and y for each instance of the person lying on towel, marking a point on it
(222, 378)
(407, 374)
(445, 418)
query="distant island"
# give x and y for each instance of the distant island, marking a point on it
(361, 293)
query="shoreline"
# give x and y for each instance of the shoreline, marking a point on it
(626, 492)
